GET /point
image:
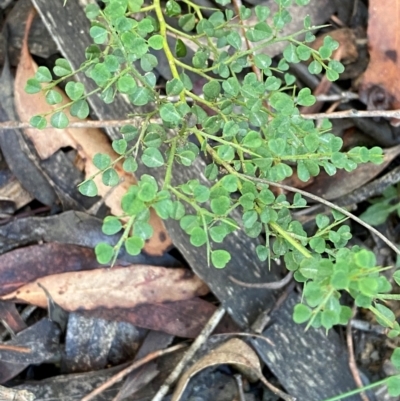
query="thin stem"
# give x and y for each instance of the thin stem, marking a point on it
(170, 162)
(357, 391)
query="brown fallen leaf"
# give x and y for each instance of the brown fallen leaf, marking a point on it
(234, 352)
(180, 318)
(26, 264)
(380, 86)
(87, 142)
(112, 288)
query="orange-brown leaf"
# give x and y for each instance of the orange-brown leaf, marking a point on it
(117, 287)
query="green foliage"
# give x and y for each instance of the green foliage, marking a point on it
(383, 207)
(247, 124)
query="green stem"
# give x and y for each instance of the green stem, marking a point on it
(223, 141)
(123, 238)
(170, 163)
(358, 390)
(163, 33)
(290, 239)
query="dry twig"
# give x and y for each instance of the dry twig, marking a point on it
(119, 376)
(352, 360)
(200, 340)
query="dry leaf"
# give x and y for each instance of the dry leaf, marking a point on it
(117, 287)
(87, 142)
(234, 352)
(380, 86)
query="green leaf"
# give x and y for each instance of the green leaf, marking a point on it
(101, 161)
(314, 67)
(220, 205)
(141, 96)
(147, 192)
(169, 114)
(59, 120)
(282, 103)
(152, 157)
(38, 122)
(80, 109)
(301, 313)
(272, 83)
(231, 86)
(252, 140)
(376, 214)
(290, 53)
(198, 237)
(218, 233)
(135, 5)
(262, 12)
(100, 74)
(174, 87)
(180, 49)
(126, 84)
(393, 385)
(74, 90)
(33, 86)
(234, 39)
(134, 245)
(129, 132)
(92, 11)
(130, 165)
(156, 42)
(187, 22)
(53, 97)
(99, 34)
(172, 8)
(211, 90)
(110, 177)
(111, 225)
(229, 182)
(303, 52)
(43, 74)
(261, 31)
(395, 358)
(220, 258)
(62, 67)
(88, 188)
(120, 146)
(365, 259)
(104, 253)
(148, 62)
(262, 61)
(305, 98)
(226, 152)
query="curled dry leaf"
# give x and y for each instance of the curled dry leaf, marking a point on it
(87, 142)
(112, 288)
(234, 352)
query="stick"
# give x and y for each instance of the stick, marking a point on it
(119, 376)
(275, 285)
(200, 340)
